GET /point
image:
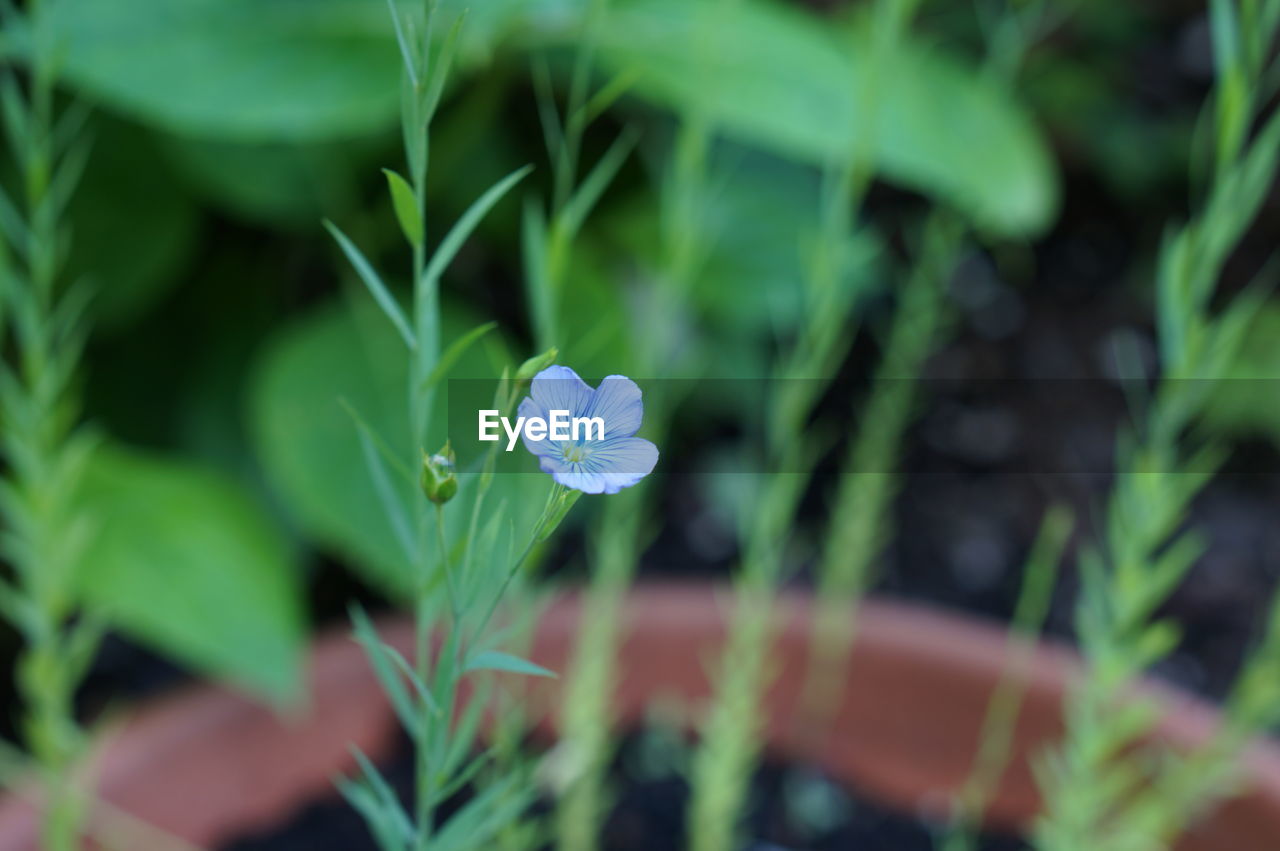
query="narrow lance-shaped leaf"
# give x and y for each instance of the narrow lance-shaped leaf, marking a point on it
(385, 670)
(385, 795)
(364, 801)
(405, 203)
(452, 242)
(379, 290)
(496, 660)
(456, 350)
(588, 194)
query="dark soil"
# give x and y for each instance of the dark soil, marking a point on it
(791, 809)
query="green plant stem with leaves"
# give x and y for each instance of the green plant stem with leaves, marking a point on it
(46, 535)
(456, 598)
(860, 522)
(1098, 794)
(586, 726)
(729, 747)
(995, 741)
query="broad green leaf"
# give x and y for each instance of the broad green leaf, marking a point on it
(496, 660)
(768, 74)
(187, 563)
(247, 70)
(406, 206)
(258, 70)
(781, 78)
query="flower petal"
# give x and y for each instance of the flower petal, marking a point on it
(618, 463)
(617, 401)
(558, 388)
(542, 448)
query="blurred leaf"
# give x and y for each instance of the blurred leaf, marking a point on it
(279, 183)
(766, 74)
(185, 562)
(1245, 402)
(132, 225)
(760, 221)
(247, 70)
(783, 79)
(496, 660)
(261, 70)
(308, 444)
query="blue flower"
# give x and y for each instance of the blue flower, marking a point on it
(597, 465)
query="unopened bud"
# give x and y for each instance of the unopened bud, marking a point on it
(537, 364)
(438, 480)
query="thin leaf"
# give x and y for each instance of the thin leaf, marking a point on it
(363, 800)
(412, 676)
(439, 72)
(609, 94)
(453, 240)
(406, 206)
(533, 243)
(386, 451)
(385, 795)
(371, 280)
(588, 194)
(387, 495)
(385, 670)
(456, 350)
(409, 65)
(496, 660)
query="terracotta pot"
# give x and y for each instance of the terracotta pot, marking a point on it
(207, 765)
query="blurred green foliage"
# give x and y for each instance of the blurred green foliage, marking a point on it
(229, 128)
(185, 561)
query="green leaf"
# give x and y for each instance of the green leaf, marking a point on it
(247, 70)
(1242, 402)
(385, 669)
(496, 660)
(260, 70)
(456, 350)
(598, 180)
(457, 235)
(287, 184)
(187, 563)
(406, 206)
(377, 288)
(786, 80)
(132, 224)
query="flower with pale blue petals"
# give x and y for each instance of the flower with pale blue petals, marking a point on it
(596, 465)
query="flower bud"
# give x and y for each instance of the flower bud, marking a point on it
(537, 364)
(438, 480)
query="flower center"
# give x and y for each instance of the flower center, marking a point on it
(574, 453)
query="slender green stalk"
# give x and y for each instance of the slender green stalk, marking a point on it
(858, 527)
(995, 740)
(1097, 793)
(475, 585)
(729, 747)
(860, 522)
(43, 446)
